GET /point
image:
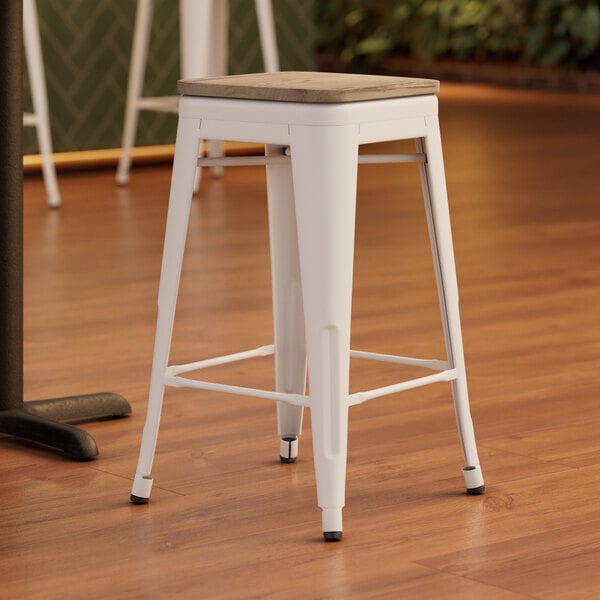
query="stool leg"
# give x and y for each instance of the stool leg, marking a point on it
(268, 37)
(288, 317)
(324, 166)
(39, 97)
(135, 84)
(218, 58)
(182, 185)
(438, 218)
(203, 45)
(196, 39)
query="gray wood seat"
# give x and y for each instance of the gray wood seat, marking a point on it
(308, 87)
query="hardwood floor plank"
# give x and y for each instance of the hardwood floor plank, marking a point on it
(553, 564)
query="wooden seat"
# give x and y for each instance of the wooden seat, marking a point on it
(312, 87)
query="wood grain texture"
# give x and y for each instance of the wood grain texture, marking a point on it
(227, 520)
(306, 86)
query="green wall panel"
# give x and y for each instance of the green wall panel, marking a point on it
(87, 45)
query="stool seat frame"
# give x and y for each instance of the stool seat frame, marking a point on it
(311, 160)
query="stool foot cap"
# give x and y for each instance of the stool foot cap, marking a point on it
(138, 499)
(473, 479)
(332, 536)
(288, 449)
(122, 179)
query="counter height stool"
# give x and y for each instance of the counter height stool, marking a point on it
(312, 125)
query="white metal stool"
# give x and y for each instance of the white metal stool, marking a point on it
(40, 118)
(203, 52)
(312, 125)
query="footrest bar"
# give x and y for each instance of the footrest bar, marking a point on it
(173, 372)
(360, 397)
(376, 159)
(435, 365)
(30, 120)
(168, 104)
(245, 161)
(242, 161)
(220, 360)
(296, 399)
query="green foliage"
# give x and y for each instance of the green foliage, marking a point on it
(545, 32)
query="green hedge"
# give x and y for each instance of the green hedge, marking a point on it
(542, 32)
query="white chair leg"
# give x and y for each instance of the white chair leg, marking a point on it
(203, 37)
(37, 80)
(268, 37)
(195, 37)
(204, 51)
(218, 58)
(324, 166)
(182, 183)
(438, 218)
(135, 85)
(288, 316)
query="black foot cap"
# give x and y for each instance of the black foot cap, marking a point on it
(138, 500)
(332, 536)
(287, 460)
(476, 491)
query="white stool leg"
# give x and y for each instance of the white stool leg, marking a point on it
(288, 316)
(135, 84)
(37, 80)
(268, 37)
(196, 37)
(438, 217)
(204, 51)
(219, 55)
(324, 166)
(182, 184)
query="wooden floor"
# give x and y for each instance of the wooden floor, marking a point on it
(226, 519)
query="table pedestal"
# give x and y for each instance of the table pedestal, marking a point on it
(38, 421)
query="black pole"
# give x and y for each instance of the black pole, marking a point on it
(37, 421)
(11, 214)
